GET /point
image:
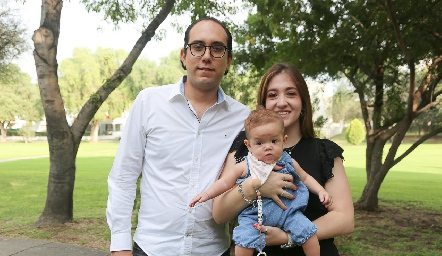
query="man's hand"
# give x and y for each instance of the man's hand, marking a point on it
(122, 253)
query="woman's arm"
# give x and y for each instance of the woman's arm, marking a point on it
(340, 218)
(229, 205)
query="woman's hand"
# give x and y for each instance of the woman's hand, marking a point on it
(274, 187)
(274, 235)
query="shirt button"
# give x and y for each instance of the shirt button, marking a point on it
(196, 159)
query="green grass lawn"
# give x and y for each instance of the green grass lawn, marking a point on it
(24, 182)
(414, 182)
(415, 179)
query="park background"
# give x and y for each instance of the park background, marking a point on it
(405, 219)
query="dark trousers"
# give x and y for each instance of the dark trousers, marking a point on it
(138, 252)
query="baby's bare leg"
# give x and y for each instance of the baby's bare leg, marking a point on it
(241, 251)
(311, 246)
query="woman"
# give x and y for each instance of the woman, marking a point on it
(283, 89)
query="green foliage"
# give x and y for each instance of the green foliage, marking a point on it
(169, 69)
(132, 11)
(394, 104)
(13, 40)
(143, 75)
(79, 78)
(27, 132)
(82, 75)
(355, 133)
(427, 121)
(318, 123)
(336, 37)
(376, 45)
(345, 105)
(13, 132)
(19, 98)
(242, 87)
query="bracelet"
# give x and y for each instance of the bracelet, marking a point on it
(289, 243)
(243, 195)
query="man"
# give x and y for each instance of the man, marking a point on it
(177, 137)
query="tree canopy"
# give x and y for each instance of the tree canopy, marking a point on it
(377, 45)
(12, 39)
(19, 99)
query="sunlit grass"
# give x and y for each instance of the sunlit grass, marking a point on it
(414, 182)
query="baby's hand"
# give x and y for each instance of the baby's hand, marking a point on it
(199, 199)
(325, 198)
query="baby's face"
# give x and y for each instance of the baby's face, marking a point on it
(266, 142)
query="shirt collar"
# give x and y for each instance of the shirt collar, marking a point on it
(179, 90)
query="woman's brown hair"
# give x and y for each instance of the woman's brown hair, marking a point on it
(306, 117)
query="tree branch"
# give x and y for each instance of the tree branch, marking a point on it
(93, 104)
(429, 105)
(417, 143)
(412, 99)
(397, 31)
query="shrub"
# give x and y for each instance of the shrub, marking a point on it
(355, 133)
(12, 132)
(26, 132)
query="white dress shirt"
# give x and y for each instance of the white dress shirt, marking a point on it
(178, 157)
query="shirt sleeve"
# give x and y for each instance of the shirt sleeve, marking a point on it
(329, 151)
(122, 180)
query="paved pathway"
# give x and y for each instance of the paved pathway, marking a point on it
(34, 247)
(21, 158)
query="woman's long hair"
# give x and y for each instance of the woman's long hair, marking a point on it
(306, 117)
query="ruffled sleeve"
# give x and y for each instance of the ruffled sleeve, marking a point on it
(329, 151)
(239, 147)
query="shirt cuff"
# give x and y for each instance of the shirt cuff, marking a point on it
(121, 242)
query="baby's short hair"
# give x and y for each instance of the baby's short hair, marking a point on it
(262, 116)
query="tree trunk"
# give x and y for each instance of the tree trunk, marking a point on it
(59, 200)
(94, 131)
(62, 149)
(64, 140)
(4, 130)
(375, 174)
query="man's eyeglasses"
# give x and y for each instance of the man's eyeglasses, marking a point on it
(198, 50)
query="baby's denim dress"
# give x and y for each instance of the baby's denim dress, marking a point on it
(291, 220)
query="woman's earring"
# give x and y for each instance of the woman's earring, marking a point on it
(301, 113)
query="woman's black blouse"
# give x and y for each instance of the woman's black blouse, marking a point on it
(316, 157)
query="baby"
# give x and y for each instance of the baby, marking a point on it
(265, 142)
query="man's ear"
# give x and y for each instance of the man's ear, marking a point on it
(183, 59)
